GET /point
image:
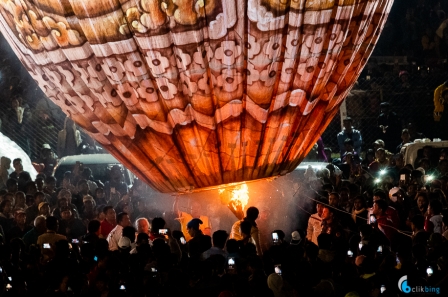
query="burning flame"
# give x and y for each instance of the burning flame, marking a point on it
(239, 194)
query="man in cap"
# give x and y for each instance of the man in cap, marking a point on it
(48, 158)
(351, 133)
(296, 238)
(44, 209)
(88, 209)
(197, 244)
(19, 227)
(70, 226)
(400, 204)
(124, 244)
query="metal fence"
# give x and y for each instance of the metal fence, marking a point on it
(412, 100)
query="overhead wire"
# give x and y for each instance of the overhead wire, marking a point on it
(343, 211)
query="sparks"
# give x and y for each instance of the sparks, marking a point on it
(240, 194)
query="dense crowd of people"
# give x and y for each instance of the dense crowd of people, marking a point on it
(374, 219)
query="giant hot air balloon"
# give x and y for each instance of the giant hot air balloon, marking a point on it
(197, 93)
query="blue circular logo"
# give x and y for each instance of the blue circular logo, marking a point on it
(403, 285)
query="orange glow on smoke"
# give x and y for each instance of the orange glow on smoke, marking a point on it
(239, 194)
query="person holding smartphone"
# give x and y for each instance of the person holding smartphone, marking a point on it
(50, 237)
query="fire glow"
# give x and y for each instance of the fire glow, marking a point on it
(239, 194)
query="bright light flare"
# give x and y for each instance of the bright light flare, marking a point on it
(382, 172)
(239, 194)
(377, 180)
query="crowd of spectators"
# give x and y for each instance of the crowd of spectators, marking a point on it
(38, 128)
(374, 219)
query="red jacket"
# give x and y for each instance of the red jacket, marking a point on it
(106, 227)
(392, 214)
(386, 226)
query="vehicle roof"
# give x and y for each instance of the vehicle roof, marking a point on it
(411, 149)
(89, 159)
(314, 165)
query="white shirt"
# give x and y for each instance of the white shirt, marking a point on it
(114, 236)
(437, 221)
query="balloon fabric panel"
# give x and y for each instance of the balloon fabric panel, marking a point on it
(190, 94)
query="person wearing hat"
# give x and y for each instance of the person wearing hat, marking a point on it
(351, 133)
(197, 244)
(389, 126)
(19, 228)
(69, 225)
(88, 210)
(48, 158)
(124, 244)
(296, 238)
(400, 204)
(44, 209)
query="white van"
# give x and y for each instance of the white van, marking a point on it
(100, 164)
(410, 151)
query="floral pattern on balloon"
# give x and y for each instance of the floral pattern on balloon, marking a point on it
(252, 83)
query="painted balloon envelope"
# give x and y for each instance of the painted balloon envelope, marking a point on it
(191, 94)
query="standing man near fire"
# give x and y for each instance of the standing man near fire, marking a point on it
(251, 216)
(185, 217)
